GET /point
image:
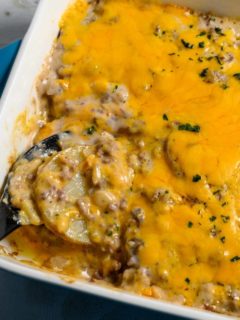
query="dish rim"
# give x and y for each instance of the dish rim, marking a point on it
(12, 265)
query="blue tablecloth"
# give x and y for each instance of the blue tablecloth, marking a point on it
(26, 299)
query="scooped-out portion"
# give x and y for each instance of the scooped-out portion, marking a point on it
(144, 193)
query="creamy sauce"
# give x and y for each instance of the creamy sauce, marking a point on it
(164, 82)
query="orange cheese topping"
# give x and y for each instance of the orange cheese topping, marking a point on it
(162, 75)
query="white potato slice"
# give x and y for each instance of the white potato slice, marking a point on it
(58, 186)
(20, 190)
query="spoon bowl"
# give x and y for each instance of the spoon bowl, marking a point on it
(9, 215)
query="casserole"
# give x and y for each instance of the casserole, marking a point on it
(21, 145)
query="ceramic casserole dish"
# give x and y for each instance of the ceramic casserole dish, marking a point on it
(20, 97)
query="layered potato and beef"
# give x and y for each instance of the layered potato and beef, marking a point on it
(145, 194)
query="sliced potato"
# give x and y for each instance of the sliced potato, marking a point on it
(20, 191)
(58, 186)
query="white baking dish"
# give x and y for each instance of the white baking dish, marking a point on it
(20, 95)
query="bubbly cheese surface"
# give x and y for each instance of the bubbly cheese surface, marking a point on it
(182, 73)
(134, 43)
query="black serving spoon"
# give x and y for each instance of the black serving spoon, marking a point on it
(9, 217)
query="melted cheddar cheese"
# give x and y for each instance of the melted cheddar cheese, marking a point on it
(182, 74)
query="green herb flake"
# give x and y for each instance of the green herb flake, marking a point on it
(115, 88)
(165, 117)
(187, 280)
(189, 224)
(209, 36)
(189, 127)
(225, 219)
(202, 33)
(235, 259)
(90, 130)
(224, 86)
(212, 218)
(200, 59)
(196, 178)
(219, 60)
(203, 73)
(201, 44)
(191, 26)
(109, 233)
(219, 31)
(186, 44)
(223, 239)
(237, 76)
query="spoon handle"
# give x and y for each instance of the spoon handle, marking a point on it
(8, 220)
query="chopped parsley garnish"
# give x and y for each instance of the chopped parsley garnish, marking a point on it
(224, 204)
(237, 76)
(223, 239)
(191, 26)
(235, 259)
(202, 33)
(224, 86)
(209, 36)
(219, 31)
(212, 218)
(190, 224)
(201, 44)
(109, 233)
(165, 117)
(172, 54)
(196, 178)
(189, 127)
(91, 130)
(115, 88)
(203, 73)
(187, 280)
(200, 59)
(186, 44)
(225, 219)
(219, 60)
